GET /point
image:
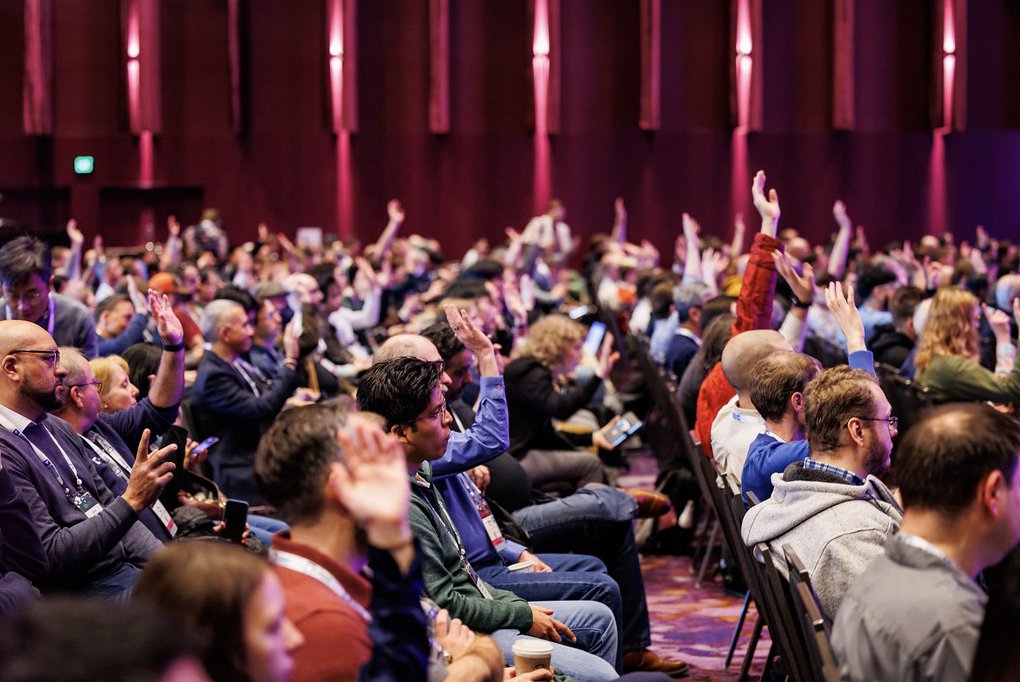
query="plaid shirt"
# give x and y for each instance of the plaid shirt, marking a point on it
(849, 476)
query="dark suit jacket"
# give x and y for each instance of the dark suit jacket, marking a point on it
(224, 405)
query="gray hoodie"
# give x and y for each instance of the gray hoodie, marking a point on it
(834, 527)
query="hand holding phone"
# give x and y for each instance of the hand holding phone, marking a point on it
(235, 520)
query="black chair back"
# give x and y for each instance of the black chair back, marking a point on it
(782, 625)
(809, 619)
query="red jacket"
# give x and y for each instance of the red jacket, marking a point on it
(754, 311)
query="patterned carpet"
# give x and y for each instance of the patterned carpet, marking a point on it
(694, 625)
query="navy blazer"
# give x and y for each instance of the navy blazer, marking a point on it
(223, 405)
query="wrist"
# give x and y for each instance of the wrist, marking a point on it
(170, 346)
(389, 536)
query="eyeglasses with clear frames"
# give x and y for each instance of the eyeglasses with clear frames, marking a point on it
(97, 384)
(440, 412)
(50, 357)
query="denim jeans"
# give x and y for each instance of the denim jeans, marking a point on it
(593, 625)
(116, 585)
(575, 577)
(597, 520)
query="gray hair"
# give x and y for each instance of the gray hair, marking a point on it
(215, 316)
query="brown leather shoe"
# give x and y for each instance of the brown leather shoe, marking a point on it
(647, 660)
(650, 504)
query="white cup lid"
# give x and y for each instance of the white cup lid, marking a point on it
(532, 647)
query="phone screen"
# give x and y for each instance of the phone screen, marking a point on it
(235, 516)
(596, 332)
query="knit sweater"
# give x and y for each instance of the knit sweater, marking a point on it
(834, 527)
(447, 580)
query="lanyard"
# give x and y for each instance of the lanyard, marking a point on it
(49, 322)
(239, 366)
(46, 460)
(314, 571)
(105, 450)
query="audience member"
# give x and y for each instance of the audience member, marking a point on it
(25, 279)
(948, 354)
(93, 539)
(233, 600)
(830, 508)
(341, 485)
(231, 400)
(407, 392)
(83, 640)
(915, 613)
(107, 433)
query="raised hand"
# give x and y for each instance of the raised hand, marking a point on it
(395, 211)
(173, 227)
(847, 317)
(138, 299)
(999, 322)
(169, 327)
(768, 207)
(840, 214)
(149, 474)
(372, 483)
(474, 339)
(803, 286)
(74, 234)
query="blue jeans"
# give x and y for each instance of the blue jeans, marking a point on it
(575, 577)
(116, 585)
(593, 625)
(597, 520)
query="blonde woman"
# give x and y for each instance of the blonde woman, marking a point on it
(538, 390)
(947, 357)
(117, 392)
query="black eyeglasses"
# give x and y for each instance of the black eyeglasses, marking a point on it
(894, 422)
(50, 357)
(97, 384)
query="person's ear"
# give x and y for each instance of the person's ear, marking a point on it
(8, 365)
(399, 432)
(797, 402)
(856, 428)
(694, 314)
(989, 493)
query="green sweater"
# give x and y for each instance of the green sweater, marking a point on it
(446, 578)
(956, 378)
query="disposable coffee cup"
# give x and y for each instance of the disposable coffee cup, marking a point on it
(522, 567)
(532, 654)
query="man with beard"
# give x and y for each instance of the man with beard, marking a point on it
(830, 508)
(93, 540)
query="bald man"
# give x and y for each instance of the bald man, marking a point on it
(738, 423)
(93, 539)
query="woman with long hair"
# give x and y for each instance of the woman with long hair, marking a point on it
(540, 387)
(233, 600)
(948, 357)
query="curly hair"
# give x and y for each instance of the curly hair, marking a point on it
(949, 329)
(550, 337)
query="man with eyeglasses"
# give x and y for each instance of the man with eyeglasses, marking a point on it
(93, 539)
(25, 274)
(830, 508)
(107, 435)
(408, 393)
